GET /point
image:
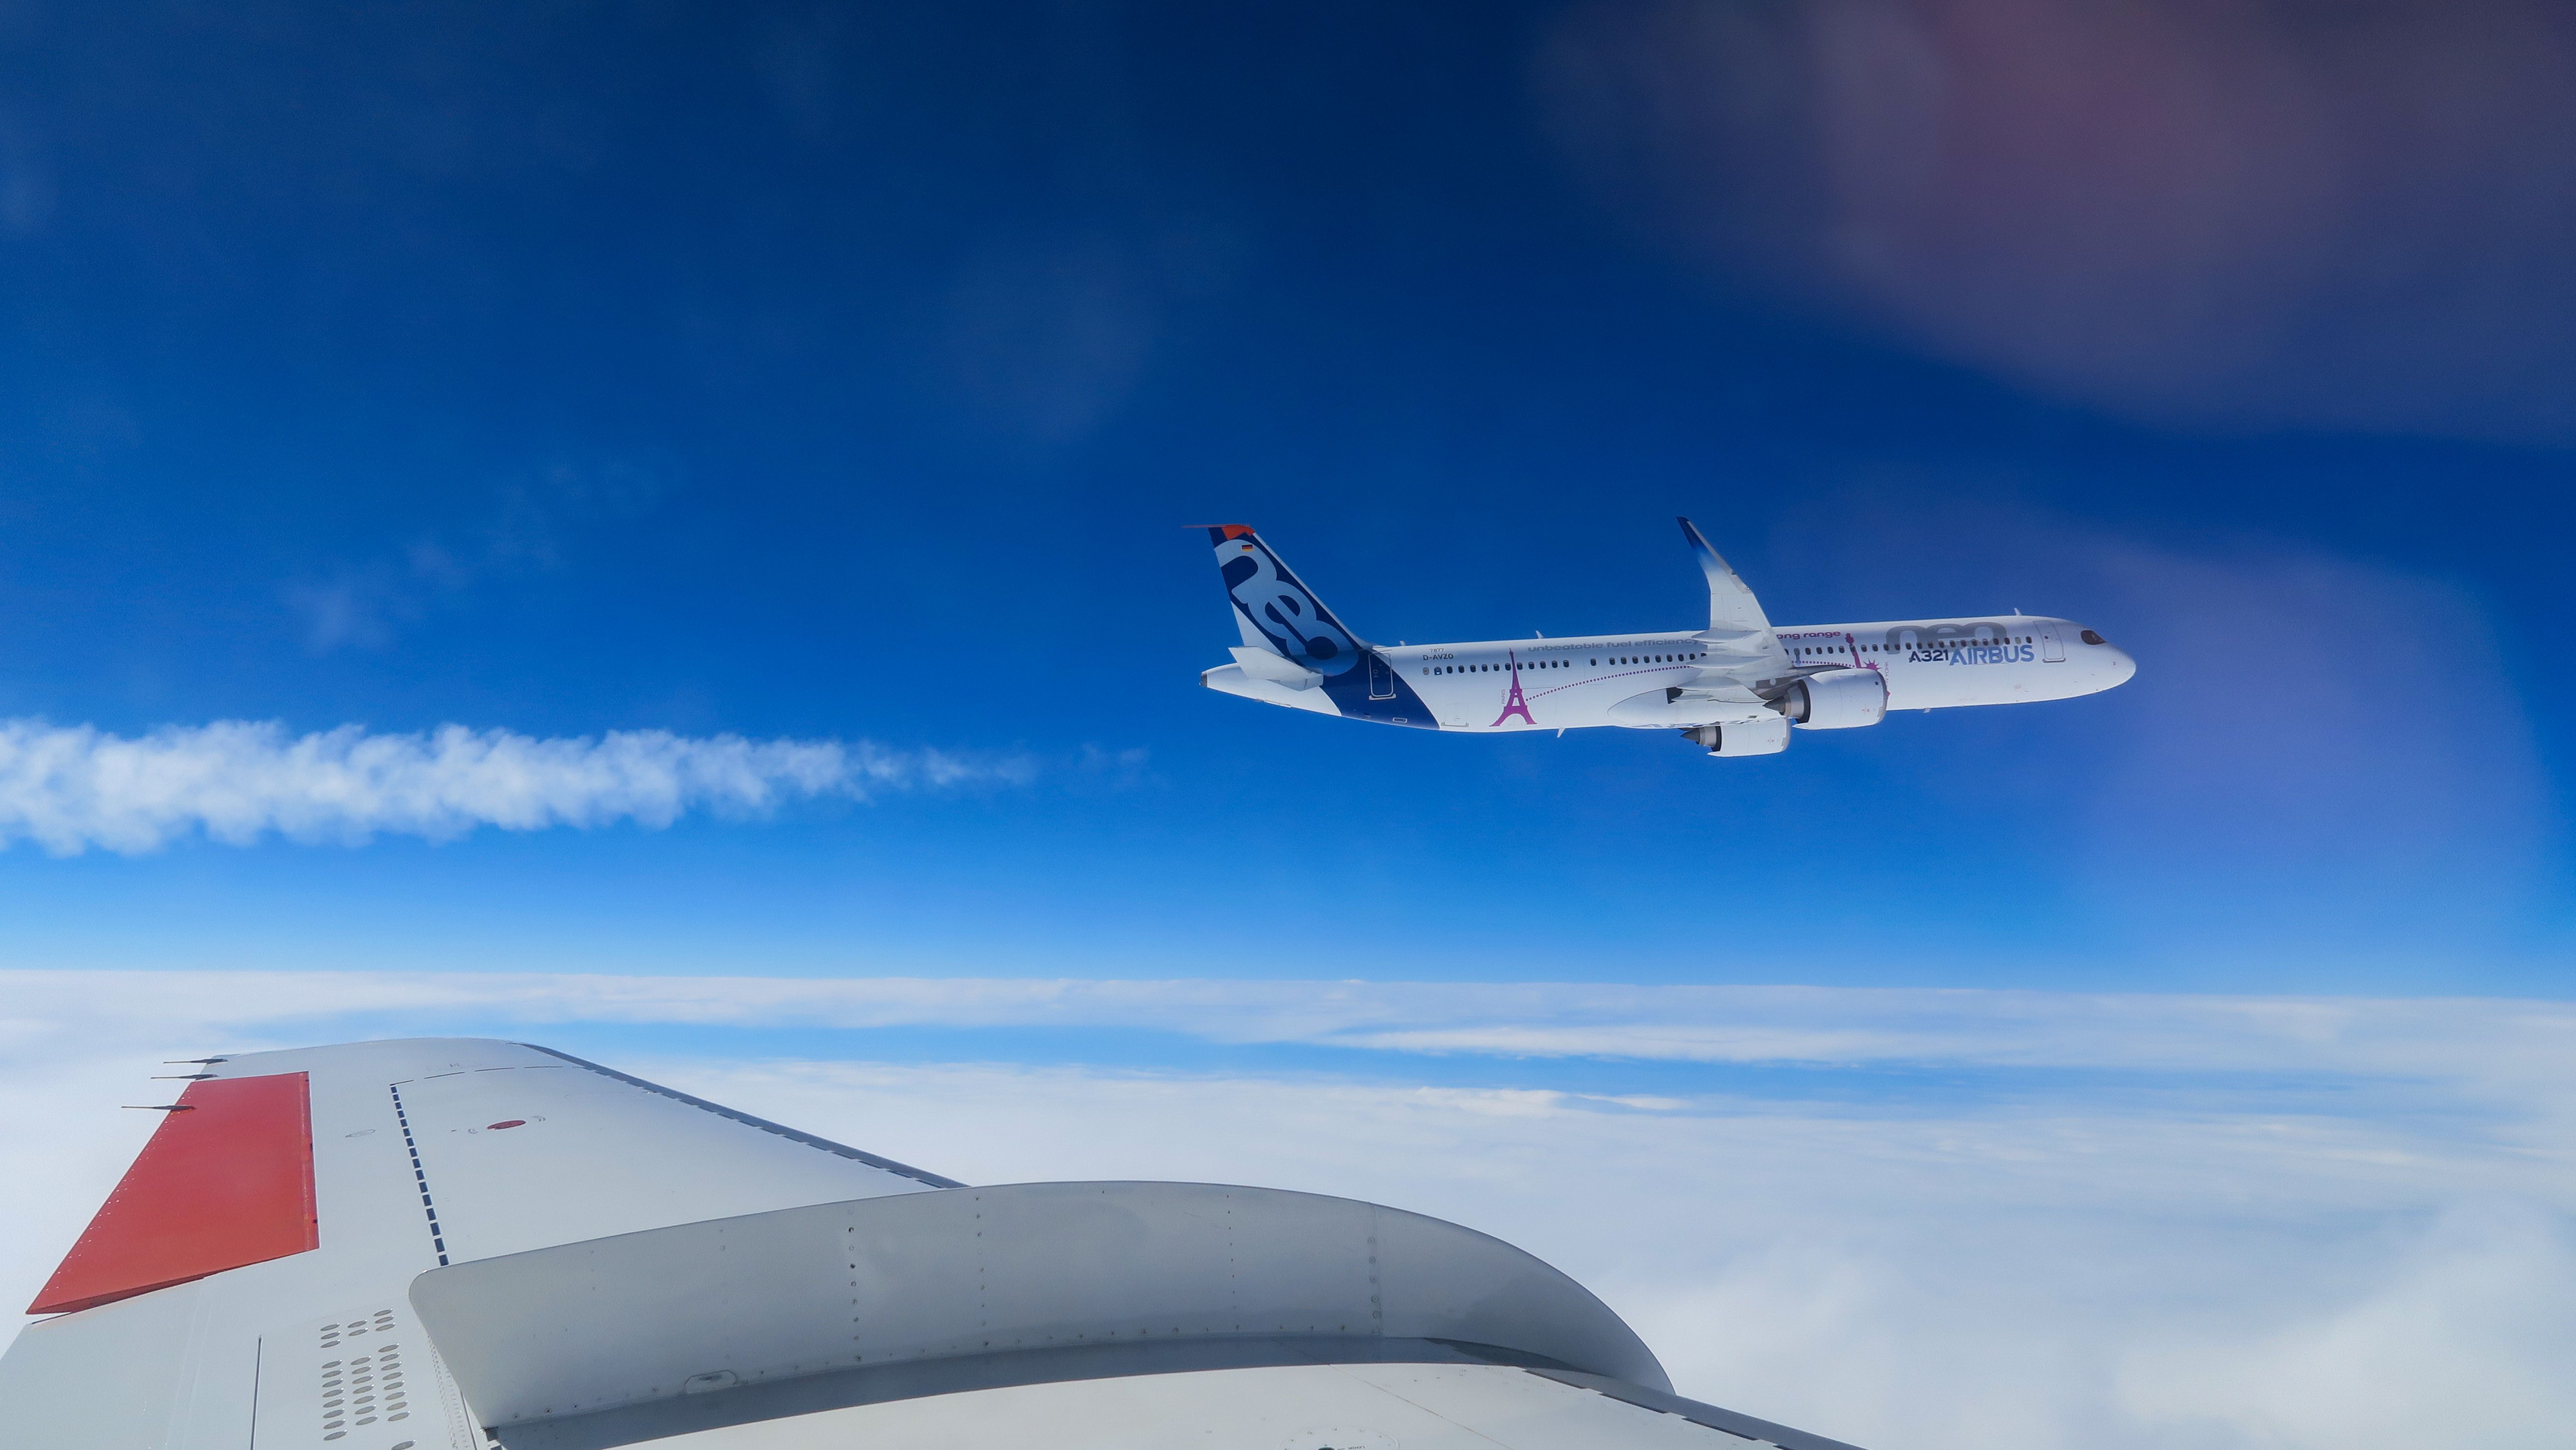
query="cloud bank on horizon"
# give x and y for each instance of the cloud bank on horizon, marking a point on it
(2286, 1223)
(71, 789)
(2458, 1040)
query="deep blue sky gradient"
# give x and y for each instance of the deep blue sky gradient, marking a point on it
(804, 371)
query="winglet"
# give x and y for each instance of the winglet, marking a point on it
(1732, 609)
(1698, 544)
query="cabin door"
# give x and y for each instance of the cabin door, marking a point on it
(1381, 679)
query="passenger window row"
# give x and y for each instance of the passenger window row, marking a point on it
(1562, 664)
(1807, 651)
(1493, 669)
(1889, 649)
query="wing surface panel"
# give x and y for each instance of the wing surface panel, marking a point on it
(362, 1378)
(534, 1154)
(1668, 1403)
(102, 1377)
(435, 1152)
(186, 1367)
(1286, 1407)
(841, 1150)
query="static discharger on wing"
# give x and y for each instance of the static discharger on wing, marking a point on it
(1737, 687)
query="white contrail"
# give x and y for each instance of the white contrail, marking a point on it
(72, 788)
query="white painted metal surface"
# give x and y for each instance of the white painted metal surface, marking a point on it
(590, 1156)
(457, 1160)
(1300, 1407)
(104, 1376)
(1737, 670)
(980, 1271)
(187, 1368)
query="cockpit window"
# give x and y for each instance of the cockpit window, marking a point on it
(2091, 638)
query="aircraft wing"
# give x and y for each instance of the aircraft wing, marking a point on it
(458, 1245)
(1741, 642)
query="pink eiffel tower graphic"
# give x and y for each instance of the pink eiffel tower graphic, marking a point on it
(1515, 703)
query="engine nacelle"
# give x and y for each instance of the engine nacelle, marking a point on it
(1836, 700)
(1767, 736)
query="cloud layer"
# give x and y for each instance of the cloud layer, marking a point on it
(2292, 1223)
(2522, 1048)
(71, 789)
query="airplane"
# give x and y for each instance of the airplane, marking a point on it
(461, 1244)
(1737, 687)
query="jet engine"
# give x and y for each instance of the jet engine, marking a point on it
(1836, 700)
(1767, 736)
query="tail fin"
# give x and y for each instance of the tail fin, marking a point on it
(1275, 610)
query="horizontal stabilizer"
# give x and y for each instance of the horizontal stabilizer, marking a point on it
(1232, 680)
(1261, 664)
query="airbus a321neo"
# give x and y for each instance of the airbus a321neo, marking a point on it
(467, 1245)
(1738, 687)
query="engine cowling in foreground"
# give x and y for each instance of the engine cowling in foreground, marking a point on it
(1836, 700)
(1766, 736)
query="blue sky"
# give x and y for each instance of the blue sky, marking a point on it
(851, 375)
(768, 434)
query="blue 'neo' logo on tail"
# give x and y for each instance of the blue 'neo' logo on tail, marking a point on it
(1284, 611)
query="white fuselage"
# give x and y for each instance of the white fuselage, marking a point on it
(1577, 682)
(1736, 687)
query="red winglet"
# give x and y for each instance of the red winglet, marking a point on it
(228, 1183)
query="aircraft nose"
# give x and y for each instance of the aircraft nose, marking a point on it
(2122, 666)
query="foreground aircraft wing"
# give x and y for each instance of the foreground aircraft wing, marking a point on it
(459, 1245)
(1741, 642)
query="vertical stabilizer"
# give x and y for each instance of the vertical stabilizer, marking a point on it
(1275, 610)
